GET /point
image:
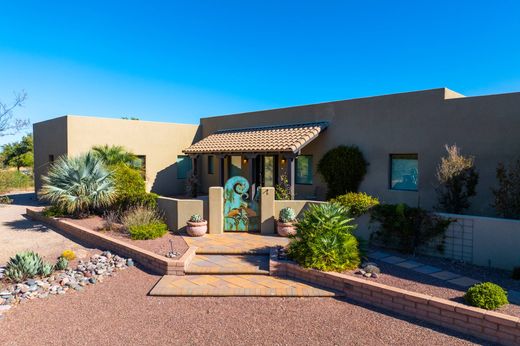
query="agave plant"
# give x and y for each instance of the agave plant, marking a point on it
(46, 269)
(22, 266)
(115, 154)
(78, 184)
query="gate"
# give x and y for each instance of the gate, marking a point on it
(240, 212)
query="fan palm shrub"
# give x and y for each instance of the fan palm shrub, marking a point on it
(324, 239)
(78, 185)
(115, 155)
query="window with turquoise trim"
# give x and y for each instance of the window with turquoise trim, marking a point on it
(211, 164)
(303, 174)
(183, 166)
(404, 172)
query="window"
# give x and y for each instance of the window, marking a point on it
(235, 166)
(211, 164)
(183, 166)
(304, 170)
(269, 167)
(404, 172)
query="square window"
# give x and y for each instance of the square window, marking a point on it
(303, 174)
(183, 166)
(211, 164)
(404, 172)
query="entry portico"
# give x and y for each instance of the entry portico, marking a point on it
(261, 154)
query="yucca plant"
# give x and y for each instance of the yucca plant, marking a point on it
(324, 239)
(116, 154)
(78, 184)
(22, 266)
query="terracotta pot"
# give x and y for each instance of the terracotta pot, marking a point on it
(285, 229)
(197, 229)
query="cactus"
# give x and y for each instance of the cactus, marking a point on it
(287, 215)
(23, 265)
(62, 263)
(46, 269)
(196, 218)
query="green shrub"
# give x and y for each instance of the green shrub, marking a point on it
(282, 191)
(457, 179)
(152, 230)
(139, 216)
(15, 180)
(405, 228)
(357, 203)
(343, 169)
(62, 263)
(53, 211)
(507, 195)
(287, 215)
(23, 266)
(324, 239)
(78, 185)
(116, 155)
(486, 295)
(130, 188)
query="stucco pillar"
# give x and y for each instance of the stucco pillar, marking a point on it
(267, 224)
(216, 210)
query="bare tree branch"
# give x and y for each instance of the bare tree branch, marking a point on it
(10, 125)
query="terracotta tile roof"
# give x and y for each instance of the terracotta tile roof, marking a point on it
(280, 138)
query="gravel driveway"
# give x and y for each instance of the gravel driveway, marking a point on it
(18, 233)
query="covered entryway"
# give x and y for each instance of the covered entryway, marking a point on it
(260, 154)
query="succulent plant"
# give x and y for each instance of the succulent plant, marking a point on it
(371, 268)
(69, 255)
(62, 263)
(287, 215)
(23, 265)
(196, 218)
(46, 269)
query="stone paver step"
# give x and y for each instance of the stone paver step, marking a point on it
(235, 243)
(229, 264)
(237, 285)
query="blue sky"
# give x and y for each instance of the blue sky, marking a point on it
(179, 61)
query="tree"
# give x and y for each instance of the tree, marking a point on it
(457, 179)
(116, 154)
(18, 154)
(9, 124)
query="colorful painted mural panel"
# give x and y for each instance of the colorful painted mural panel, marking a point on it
(240, 212)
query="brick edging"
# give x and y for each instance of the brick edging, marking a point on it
(151, 261)
(488, 325)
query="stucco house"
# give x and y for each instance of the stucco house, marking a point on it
(402, 136)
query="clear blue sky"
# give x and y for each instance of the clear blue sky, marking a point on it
(178, 61)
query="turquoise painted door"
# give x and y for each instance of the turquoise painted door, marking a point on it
(240, 212)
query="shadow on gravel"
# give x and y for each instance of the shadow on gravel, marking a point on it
(27, 199)
(416, 321)
(26, 225)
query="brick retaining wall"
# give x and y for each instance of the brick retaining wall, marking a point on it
(489, 325)
(151, 261)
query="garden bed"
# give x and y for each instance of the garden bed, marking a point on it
(395, 276)
(159, 246)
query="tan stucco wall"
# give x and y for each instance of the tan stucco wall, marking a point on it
(177, 211)
(417, 122)
(50, 138)
(159, 142)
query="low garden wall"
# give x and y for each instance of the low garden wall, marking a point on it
(488, 325)
(151, 261)
(177, 211)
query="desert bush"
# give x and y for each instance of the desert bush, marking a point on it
(457, 178)
(130, 189)
(53, 211)
(406, 228)
(5, 200)
(78, 185)
(15, 180)
(287, 215)
(110, 221)
(26, 265)
(282, 191)
(507, 195)
(324, 239)
(152, 230)
(357, 203)
(486, 295)
(343, 169)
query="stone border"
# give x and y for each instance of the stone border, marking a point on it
(149, 260)
(489, 325)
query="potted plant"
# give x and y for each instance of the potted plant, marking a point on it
(196, 226)
(285, 224)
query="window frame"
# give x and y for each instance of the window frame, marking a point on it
(409, 156)
(182, 158)
(211, 164)
(310, 170)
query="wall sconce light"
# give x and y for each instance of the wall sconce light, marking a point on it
(283, 160)
(244, 160)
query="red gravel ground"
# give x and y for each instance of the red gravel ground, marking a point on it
(160, 246)
(119, 312)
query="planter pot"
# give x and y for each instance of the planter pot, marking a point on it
(285, 229)
(196, 229)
